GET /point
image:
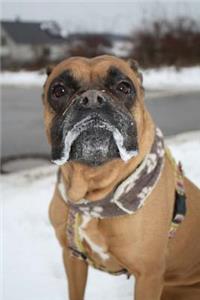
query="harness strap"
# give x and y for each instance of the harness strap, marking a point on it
(76, 246)
(75, 218)
(180, 196)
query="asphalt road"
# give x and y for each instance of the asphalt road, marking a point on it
(22, 117)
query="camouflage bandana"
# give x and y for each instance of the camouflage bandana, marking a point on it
(131, 194)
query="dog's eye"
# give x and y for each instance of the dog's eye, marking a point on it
(58, 90)
(124, 87)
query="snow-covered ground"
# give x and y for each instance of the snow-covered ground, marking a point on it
(22, 78)
(169, 78)
(32, 264)
(161, 79)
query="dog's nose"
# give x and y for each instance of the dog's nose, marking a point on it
(92, 99)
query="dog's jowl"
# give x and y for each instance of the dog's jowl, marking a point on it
(121, 203)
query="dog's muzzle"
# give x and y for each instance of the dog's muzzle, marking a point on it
(94, 130)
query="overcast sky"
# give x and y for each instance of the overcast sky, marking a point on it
(115, 16)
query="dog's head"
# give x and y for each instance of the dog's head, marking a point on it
(92, 110)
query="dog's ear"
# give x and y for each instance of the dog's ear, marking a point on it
(49, 69)
(135, 67)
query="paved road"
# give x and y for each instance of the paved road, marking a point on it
(22, 120)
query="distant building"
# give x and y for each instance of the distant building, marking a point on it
(28, 42)
(113, 43)
(39, 43)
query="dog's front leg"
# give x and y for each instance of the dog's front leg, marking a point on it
(149, 286)
(76, 271)
(147, 270)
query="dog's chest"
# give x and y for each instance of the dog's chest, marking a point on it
(89, 234)
(87, 242)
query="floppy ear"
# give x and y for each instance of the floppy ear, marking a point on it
(49, 69)
(135, 67)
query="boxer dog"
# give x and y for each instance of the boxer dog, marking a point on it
(119, 196)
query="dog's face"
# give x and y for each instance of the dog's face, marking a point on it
(90, 109)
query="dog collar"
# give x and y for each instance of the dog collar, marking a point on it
(131, 194)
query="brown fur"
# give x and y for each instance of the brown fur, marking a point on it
(164, 269)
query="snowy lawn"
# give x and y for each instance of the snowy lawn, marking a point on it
(161, 79)
(32, 263)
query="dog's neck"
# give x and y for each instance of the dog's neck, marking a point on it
(95, 183)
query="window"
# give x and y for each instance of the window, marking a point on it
(3, 41)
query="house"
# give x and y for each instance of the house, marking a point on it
(28, 42)
(111, 43)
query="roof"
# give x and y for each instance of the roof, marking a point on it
(110, 36)
(34, 33)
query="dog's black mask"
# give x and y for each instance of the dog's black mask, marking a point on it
(93, 124)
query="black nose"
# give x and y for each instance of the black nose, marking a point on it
(92, 99)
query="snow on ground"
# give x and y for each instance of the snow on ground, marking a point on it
(163, 78)
(22, 78)
(32, 264)
(170, 78)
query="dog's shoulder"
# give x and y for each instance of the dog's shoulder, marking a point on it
(58, 214)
